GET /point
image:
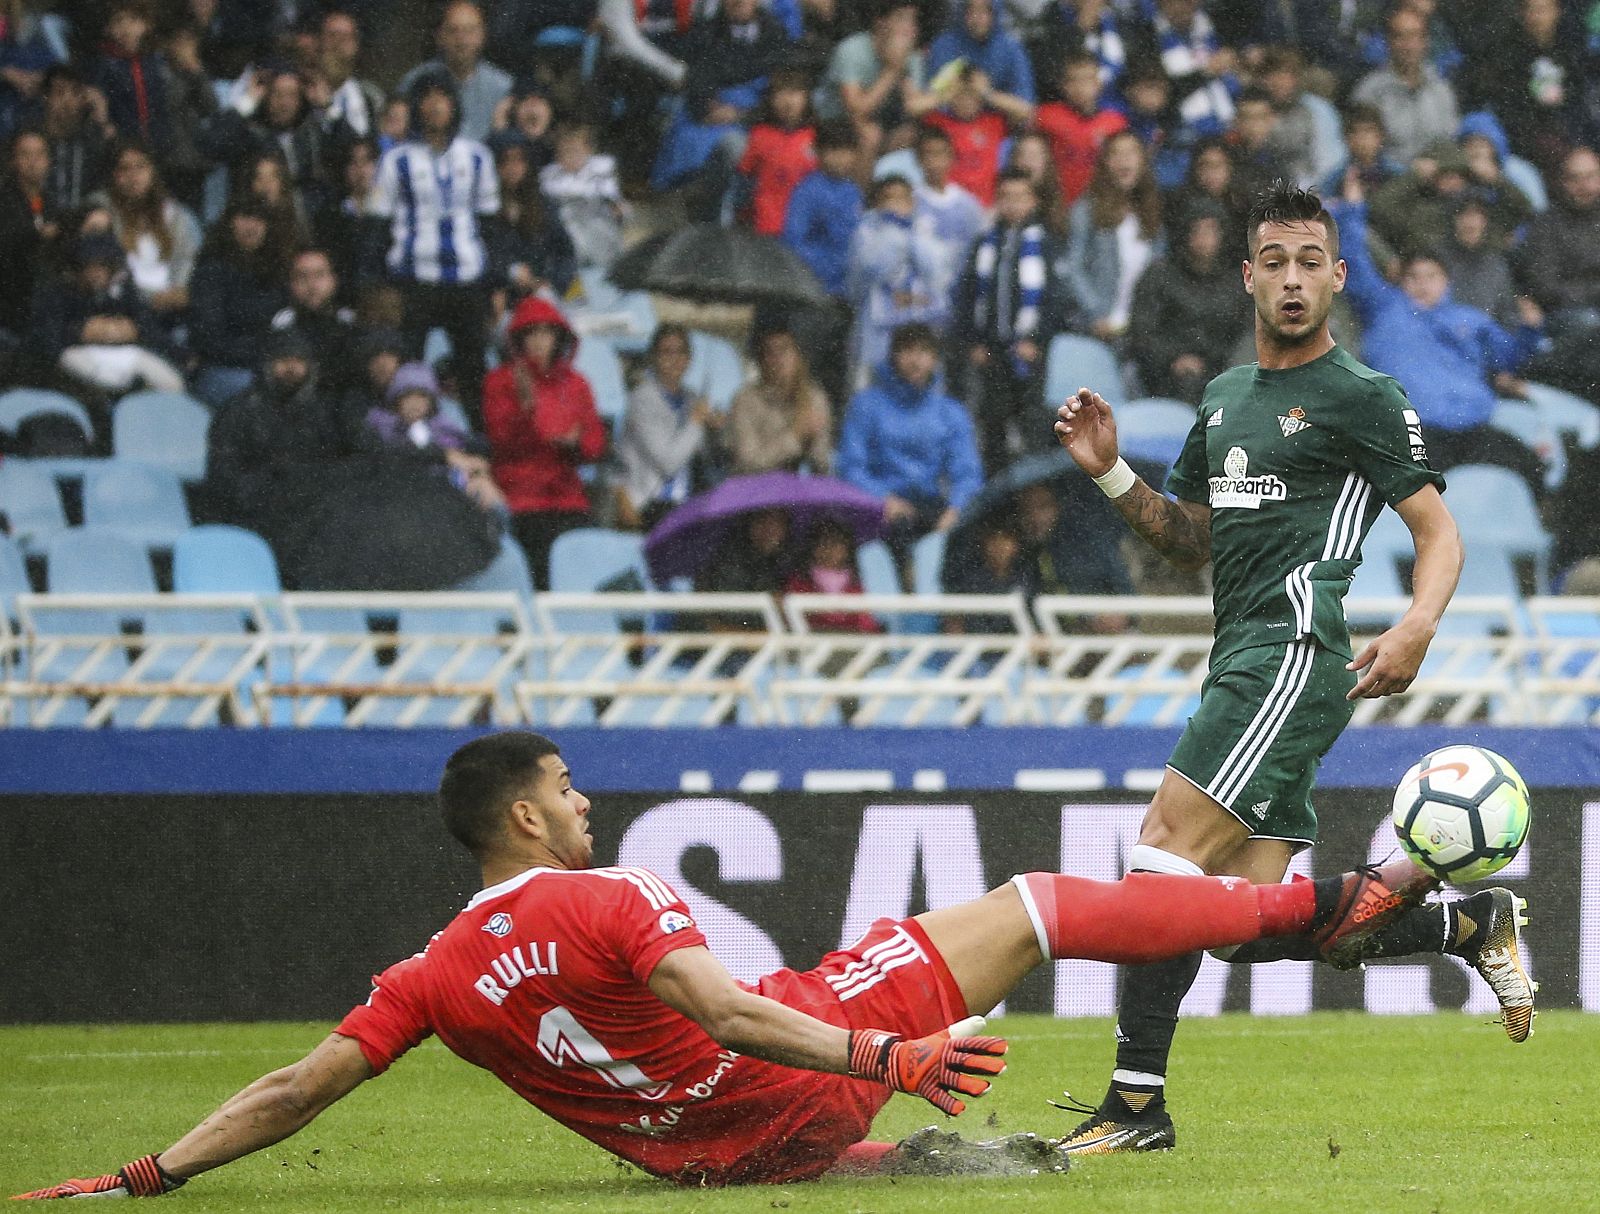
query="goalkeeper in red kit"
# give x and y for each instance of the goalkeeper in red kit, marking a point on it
(590, 992)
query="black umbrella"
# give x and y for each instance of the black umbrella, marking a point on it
(382, 525)
(713, 264)
(1084, 508)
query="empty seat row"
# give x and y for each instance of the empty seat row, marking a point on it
(162, 429)
(144, 502)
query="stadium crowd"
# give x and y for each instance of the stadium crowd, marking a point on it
(212, 196)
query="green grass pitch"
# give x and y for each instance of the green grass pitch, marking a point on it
(1321, 1113)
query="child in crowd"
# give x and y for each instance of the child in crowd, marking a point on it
(582, 183)
(825, 208)
(526, 118)
(831, 569)
(1077, 124)
(411, 422)
(132, 77)
(954, 216)
(976, 132)
(896, 274)
(780, 152)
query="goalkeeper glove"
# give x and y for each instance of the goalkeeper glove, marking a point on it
(936, 1067)
(141, 1178)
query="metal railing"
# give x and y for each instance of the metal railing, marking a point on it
(657, 659)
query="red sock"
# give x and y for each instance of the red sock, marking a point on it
(862, 1159)
(1153, 916)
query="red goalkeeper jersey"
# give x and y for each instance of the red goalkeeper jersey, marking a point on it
(542, 980)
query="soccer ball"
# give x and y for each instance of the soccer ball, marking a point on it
(1461, 813)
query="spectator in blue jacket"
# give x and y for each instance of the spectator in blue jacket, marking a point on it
(826, 207)
(975, 37)
(1453, 359)
(906, 441)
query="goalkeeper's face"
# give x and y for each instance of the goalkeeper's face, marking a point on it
(1293, 277)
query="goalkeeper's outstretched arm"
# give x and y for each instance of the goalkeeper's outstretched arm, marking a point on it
(268, 1111)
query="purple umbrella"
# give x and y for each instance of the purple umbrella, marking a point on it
(683, 541)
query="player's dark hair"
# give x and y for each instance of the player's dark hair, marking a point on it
(1283, 202)
(482, 778)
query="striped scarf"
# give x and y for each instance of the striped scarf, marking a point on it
(1030, 277)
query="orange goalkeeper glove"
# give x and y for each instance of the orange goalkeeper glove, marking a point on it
(141, 1178)
(937, 1067)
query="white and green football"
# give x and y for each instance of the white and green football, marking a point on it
(1461, 813)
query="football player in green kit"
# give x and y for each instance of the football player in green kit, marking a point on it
(1289, 462)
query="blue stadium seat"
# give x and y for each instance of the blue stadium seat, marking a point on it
(878, 575)
(19, 404)
(1153, 428)
(94, 560)
(143, 503)
(507, 572)
(31, 503)
(715, 369)
(586, 558)
(1076, 361)
(1533, 429)
(1567, 414)
(1494, 508)
(927, 562)
(597, 361)
(162, 429)
(217, 559)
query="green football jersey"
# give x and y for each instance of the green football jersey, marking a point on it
(1295, 466)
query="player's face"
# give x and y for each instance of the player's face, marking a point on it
(1293, 280)
(565, 813)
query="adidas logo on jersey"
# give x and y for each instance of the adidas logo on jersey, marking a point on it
(1260, 810)
(1214, 420)
(1292, 425)
(1237, 489)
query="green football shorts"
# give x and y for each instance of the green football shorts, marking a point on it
(1267, 715)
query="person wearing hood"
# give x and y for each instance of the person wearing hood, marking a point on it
(1452, 357)
(897, 273)
(974, 37)
(906, 441)
(1478, 264)
(131, 77)
(409, 425)
(269, 452)
(1414, 211)
(540, 419)
(92, 324)
(1188, 312)
(479, 85)
(433, 195)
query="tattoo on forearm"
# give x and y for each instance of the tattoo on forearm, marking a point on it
(1162, 523)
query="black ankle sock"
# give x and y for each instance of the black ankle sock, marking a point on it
(1147, 1014)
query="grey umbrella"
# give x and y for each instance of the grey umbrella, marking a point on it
(713, 264)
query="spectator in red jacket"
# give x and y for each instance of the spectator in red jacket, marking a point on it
(780, 151)
(540, 419)
(1078, 124)
(831, 569)
(976, 132)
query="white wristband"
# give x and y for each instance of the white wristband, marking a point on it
(1119, 480)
